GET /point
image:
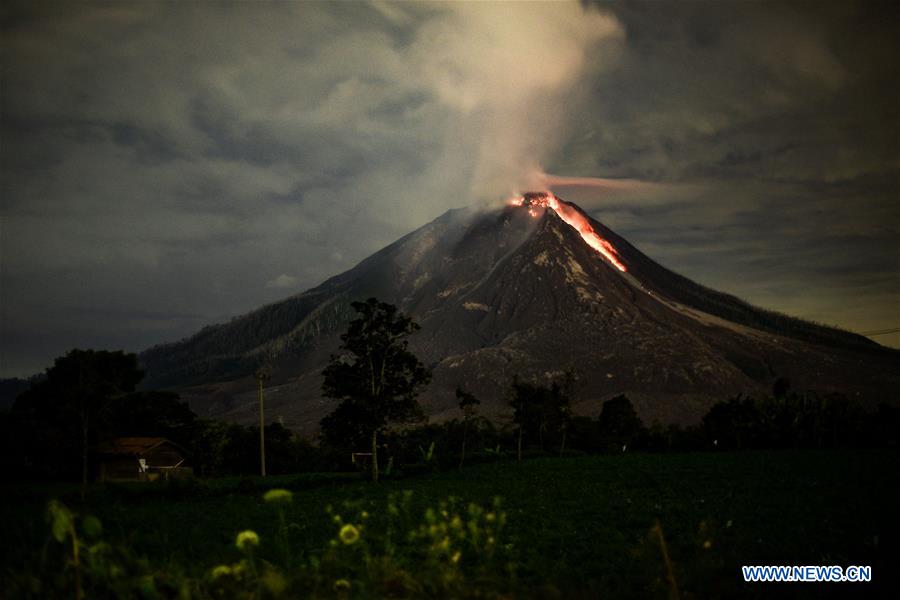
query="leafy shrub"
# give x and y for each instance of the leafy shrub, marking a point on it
(80, 563)
(246, 486)
(451, 550)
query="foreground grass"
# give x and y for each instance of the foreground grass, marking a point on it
(577, 527)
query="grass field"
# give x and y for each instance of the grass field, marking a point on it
(576, 527)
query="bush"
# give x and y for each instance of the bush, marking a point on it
(246, 485)
(451, 550)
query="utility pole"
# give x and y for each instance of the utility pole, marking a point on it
(262, 375)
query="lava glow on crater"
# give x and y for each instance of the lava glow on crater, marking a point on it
(534, 201)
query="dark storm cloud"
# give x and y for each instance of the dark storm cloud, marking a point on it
(203, 159)
(166, 166)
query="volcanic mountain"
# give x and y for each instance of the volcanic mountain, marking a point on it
(531, 289)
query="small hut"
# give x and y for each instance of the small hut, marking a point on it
(141, 459)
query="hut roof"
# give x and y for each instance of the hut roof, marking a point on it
(132, 446)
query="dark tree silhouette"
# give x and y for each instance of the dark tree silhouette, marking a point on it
(529, 402)
(561, 409)
(376, 378)
(468, 404)
(781, 387)
(540, 409)
(619, 424)
(78, 391)
(151, 413)
(733, 424)
(522, 403)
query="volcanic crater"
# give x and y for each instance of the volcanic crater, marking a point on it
(532, 289)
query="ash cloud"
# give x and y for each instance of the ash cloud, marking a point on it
(204, 159)
(189, 162)
(509, 73)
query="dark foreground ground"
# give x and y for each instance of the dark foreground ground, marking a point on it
(574, 527)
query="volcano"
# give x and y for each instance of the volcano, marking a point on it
(532, 289)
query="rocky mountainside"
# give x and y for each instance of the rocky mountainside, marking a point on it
(517, 290)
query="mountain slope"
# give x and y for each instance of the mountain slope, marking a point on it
(503, 292)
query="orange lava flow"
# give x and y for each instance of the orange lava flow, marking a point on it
(576, 220)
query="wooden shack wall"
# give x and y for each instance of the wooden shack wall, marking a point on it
(119, 467)
(164, 455)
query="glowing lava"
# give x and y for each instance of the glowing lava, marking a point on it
(574, 218)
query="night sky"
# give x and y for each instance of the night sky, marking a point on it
(169, 166)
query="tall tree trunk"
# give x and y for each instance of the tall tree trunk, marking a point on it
(519, 452)
(462, 457)
(375, 455)
(84, 460)
(562, 446)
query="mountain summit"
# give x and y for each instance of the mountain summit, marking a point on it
(531, 289)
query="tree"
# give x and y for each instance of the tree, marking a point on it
(527, 400)
(151, 413)
(781, 387)
(733, 424)
(78, 391)
(619, 424)
(376, 378)
(540, 409)
(468, 404)
(209, 444)
(560, 403)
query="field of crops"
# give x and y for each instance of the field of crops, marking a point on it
(548, 527)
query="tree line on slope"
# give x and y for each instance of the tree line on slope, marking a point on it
(90, 395)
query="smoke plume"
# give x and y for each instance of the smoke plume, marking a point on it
(509, 73)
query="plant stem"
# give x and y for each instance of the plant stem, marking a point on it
(375, 455)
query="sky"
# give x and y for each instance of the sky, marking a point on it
(168, 166)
